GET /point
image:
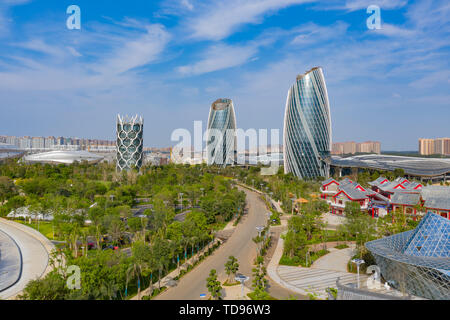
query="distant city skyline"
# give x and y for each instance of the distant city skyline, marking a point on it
(167, 60)
(424, 144)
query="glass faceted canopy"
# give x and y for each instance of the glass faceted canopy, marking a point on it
(417, 260)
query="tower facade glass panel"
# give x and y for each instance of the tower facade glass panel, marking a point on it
(307, 127)
(129, 142)
(221, 137)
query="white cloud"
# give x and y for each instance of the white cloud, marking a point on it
(15, 2)
(394, 31)
(5, 19)
(219, 57)
(72, 64)
(137, 52)
(432, 79)
(187, 4)
(426, 15)
(221, 18)
(40, 45)
(353, 5)
(312, 33)
(74, 52)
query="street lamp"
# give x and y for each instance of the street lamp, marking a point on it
(358, 262)
(241, 278)
(259, 229)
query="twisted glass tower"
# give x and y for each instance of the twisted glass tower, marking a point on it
(221, 137)
(307, 127)
(129, 142)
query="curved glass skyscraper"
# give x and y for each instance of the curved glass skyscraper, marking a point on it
(307, 127)
(221, 137)
(129, 142)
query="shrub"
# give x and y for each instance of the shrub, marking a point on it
(286, 261)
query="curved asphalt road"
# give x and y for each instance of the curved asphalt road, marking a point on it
(10, 262)
(34, 260)
(240, 245)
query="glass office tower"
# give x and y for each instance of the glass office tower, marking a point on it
(307, 127)
(221, 138)
(129, 142)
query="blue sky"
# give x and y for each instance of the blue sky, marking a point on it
(169, 60)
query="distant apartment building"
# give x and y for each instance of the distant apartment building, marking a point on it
(442, 146)
(60, 143)
(434, 146)
(369, 147)
(352, 147)
(37, 142)
(50, 142)
(25, 143)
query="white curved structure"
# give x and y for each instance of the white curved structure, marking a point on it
(221, 136)
(307, 127)
(65, 157)
(130, 142)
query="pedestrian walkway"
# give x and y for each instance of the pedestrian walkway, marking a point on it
(235, 293)
(333, 221)
(314, 281)
(335, 260)
(323, 274)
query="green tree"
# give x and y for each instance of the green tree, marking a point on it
(51, 287)
(7, 189)
(231, 267)
(259, 274)
(213, 285)
(352, 208)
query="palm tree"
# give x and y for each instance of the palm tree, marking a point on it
(160, 265)
(193, 241)
(231, 267)
(73, 238)
(109, 289)
(213, 285)
(134, 271)
(85, 233)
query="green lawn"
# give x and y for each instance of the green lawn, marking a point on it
(45, 227)
(264, 296)
(300, 261)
